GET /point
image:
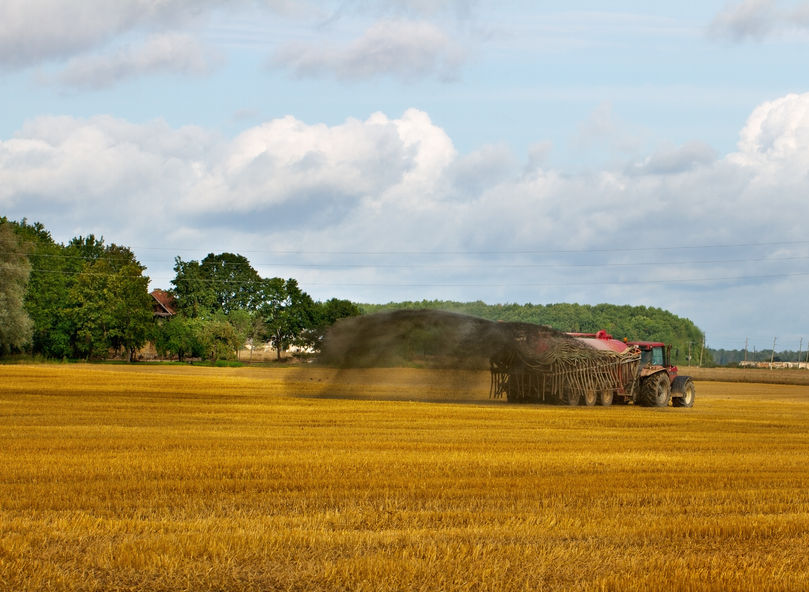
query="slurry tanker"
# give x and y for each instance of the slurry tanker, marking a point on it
(586, 369)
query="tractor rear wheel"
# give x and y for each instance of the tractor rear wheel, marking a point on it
(605, 398)
(655, 390)
(590, 397)
(685, 386)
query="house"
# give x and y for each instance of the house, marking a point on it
(162, 304)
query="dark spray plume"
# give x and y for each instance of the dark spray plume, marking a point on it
(359, 353)
(430, 339)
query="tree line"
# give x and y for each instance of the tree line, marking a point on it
(86, 299)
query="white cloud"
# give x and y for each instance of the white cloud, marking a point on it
(388, 179)
(399, 48)
(777, 131)
(173, 52)
(32, 31)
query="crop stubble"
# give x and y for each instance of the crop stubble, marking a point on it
(171, 478)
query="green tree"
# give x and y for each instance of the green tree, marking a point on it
(54, 270)
(178, 337)
(217, 337)
(286, 311)
(15, 324)
(109, 304)
(224, 282)
(325, 315)
(192, 291)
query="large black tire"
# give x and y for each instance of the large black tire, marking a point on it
(655, 390)
(684, 386)
(605, 397)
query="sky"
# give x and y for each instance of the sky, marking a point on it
(645, 153)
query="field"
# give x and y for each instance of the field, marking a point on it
(762, 375)
(187, 478)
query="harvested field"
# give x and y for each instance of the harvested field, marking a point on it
(184, 478)
(759, 375)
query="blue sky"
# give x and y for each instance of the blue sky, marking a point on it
(645, 153)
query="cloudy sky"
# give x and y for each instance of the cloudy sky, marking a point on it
(650, 153)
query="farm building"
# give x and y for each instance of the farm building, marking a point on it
(162, 304)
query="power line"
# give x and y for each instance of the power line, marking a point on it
(237, 264)
(494, 251)
(473, 284)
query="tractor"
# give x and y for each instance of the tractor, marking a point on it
(656, 382)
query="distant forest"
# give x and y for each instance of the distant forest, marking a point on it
(730, 357)
(637, 323)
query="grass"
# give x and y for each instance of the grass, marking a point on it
(194, 478)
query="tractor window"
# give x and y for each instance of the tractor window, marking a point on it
(657, 356)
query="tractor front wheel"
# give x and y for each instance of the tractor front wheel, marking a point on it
(655, 390)
(684, 385)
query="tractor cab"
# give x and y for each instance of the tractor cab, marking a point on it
(655, 356)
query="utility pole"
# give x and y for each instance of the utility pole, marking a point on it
(689, 353)
(772, 356)
(745, 349)
(800, 347)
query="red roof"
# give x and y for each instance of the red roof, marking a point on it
(164, 306)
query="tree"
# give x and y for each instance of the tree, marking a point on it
(110, 307)
(54, 269)
(218, 338)
(286, 312)
(15, 324)
(326, 314)
(247, 325)
(178, 337)
(224, 282)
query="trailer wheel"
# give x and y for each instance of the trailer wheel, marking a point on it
(655, 391)
(570, 397)
(605, 398)
(590, 397)
(684, 385)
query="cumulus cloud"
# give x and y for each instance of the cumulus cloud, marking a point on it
(400, 48)
(757, 19)
(776, 131)
(387, 179)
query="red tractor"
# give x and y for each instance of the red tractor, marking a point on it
(656, 381)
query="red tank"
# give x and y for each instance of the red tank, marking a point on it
(601, 340)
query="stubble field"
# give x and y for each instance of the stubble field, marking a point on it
(184, 478)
